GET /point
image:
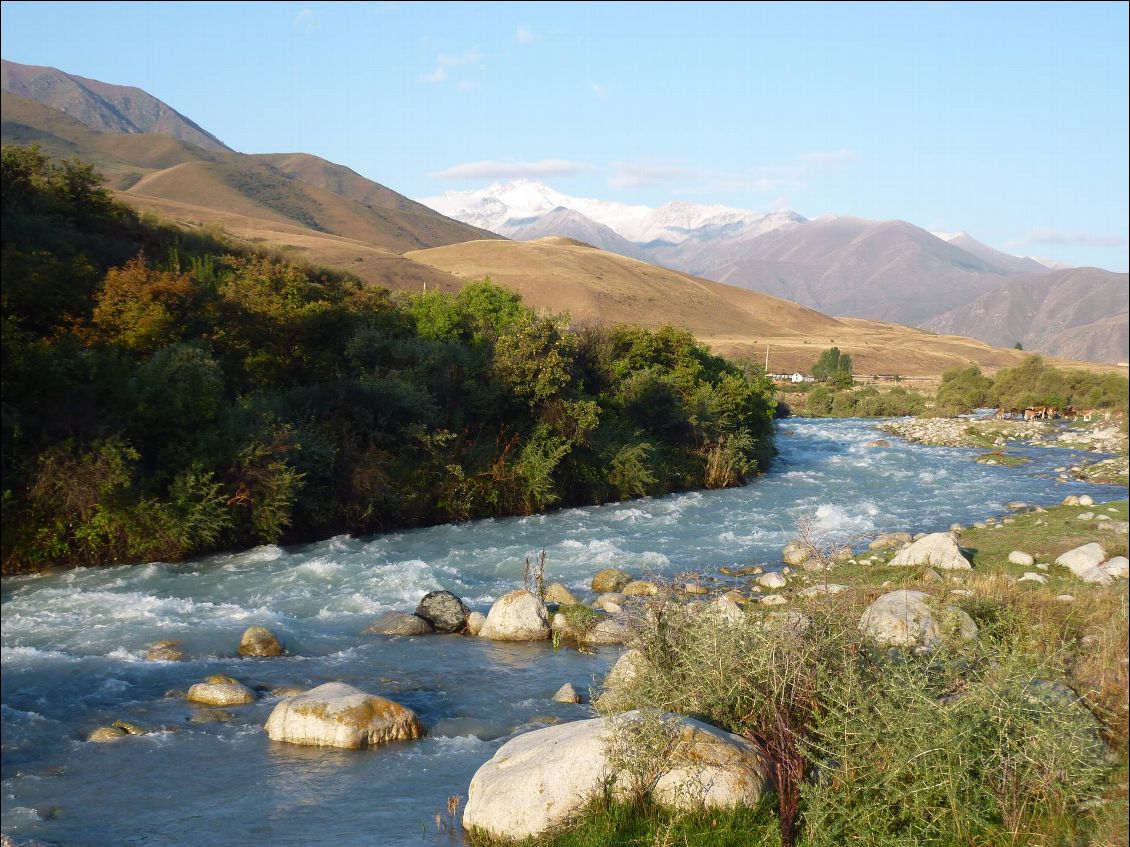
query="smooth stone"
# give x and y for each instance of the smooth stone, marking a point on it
(567, 694)
(1083, 558)
(1085, 516)
(287, 691)
(399, 623)
(475, 623)
(259, 642)
(339, 715)
(130, 728)
(1019, 557)
(695, 588)
(220, 694)
(211, 716)
(609, 602)
(559, 594)
(606, 632)
(1032, 576)
(1016, 505)
(106, 733)
(517, 616)
(889, 540)
(906, 618)
(823, 590)
(444, 611)
(796, 553)
(727, 610)
(936, 550)
(538, 781)
(773, 600)
(1086, 500)
(878, 442)
(1070, 499)
(610, 579)
(772, 580)
(1065, 598)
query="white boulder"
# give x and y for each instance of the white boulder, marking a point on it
(772, 580)
(517, 616)
(907, 618)
(1119, 566)
(339, 715)
(1084, 560)
(1019, 557)
(539, 780)
(936, 550)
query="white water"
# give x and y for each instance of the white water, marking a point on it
(72, 645)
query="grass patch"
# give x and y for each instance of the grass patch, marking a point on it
(1000, 457)
(612, 824)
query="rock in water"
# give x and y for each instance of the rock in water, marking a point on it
(475, 622)
(230, 693)
(906, 619)
(339, 715)
(258, 641)
(165, 651)
(936, 550)
(567, 694)
(399, 623)
(610, 579)
(559, 594)
(517, 616)
(444, 611)
(106, 733)
(539, 780)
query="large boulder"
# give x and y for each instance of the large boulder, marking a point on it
(517, 616)
(444, 611)
(539, 780)
(796, 553)
(907, 618)
(1085, 562)
(610, 579)
(399, 623)
(258, 641)
(220, 691)
(339, 715)
(936, 550)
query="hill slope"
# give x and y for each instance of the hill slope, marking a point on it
(1078, 313)
(107, 108)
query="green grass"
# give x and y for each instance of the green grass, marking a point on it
(622, 825)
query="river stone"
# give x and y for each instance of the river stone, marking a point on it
(230, 693)
(559, 594)
(938, 550)
(1032, 576)
(1082, 559)
(284, 691)
(1119, 566)
(695, 589)
(165, 651)
(610, 579)
(475, 623)
(1019, 557)
(727, 610)
(1070, 499)
(823, 590)
(130, 728)
(609, 602)
(795, 554)
(905, 618)
(259, 642)
(606, 632)
(106, 733)
(1017, 505)
(640, 588)
(879, 442)
(1086, 500)
(517, 616)
(339, 715)
(627, 668)
(399, 623)
(444, 611)
(211, 716)
(538, 781)
(567, 694)
(890, 540)
(773, 600)
(772, 580)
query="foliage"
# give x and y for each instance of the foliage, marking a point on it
(821, 401)
(1031, 383)
(833, 367)
(166, 393)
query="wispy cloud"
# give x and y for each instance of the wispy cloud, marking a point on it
(645, 173)
(490, 169)
(599, 90)
(526, 35)
(1059, 236)
(471, 56)
(305, 21)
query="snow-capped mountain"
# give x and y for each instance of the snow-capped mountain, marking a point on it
(509, 206)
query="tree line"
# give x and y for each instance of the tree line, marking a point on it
(167, 393)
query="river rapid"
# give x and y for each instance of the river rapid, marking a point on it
(73, 645)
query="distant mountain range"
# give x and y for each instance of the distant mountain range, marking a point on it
(643, 265)
(881, 270)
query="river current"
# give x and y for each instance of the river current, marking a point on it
(73, 645)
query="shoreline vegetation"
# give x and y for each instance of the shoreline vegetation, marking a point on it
(894, 697)
(168, 394)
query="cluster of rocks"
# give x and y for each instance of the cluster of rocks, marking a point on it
(964, 432)
(256, 642)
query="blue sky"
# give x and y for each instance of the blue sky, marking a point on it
(1008, 121)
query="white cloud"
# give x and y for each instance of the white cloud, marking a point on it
(471, 56)
(599, 90)
(525, 35)
(1058, 236)
(305, 20)
(489, 169)
(644, 173)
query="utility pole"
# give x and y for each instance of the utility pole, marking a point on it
(767, 359)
